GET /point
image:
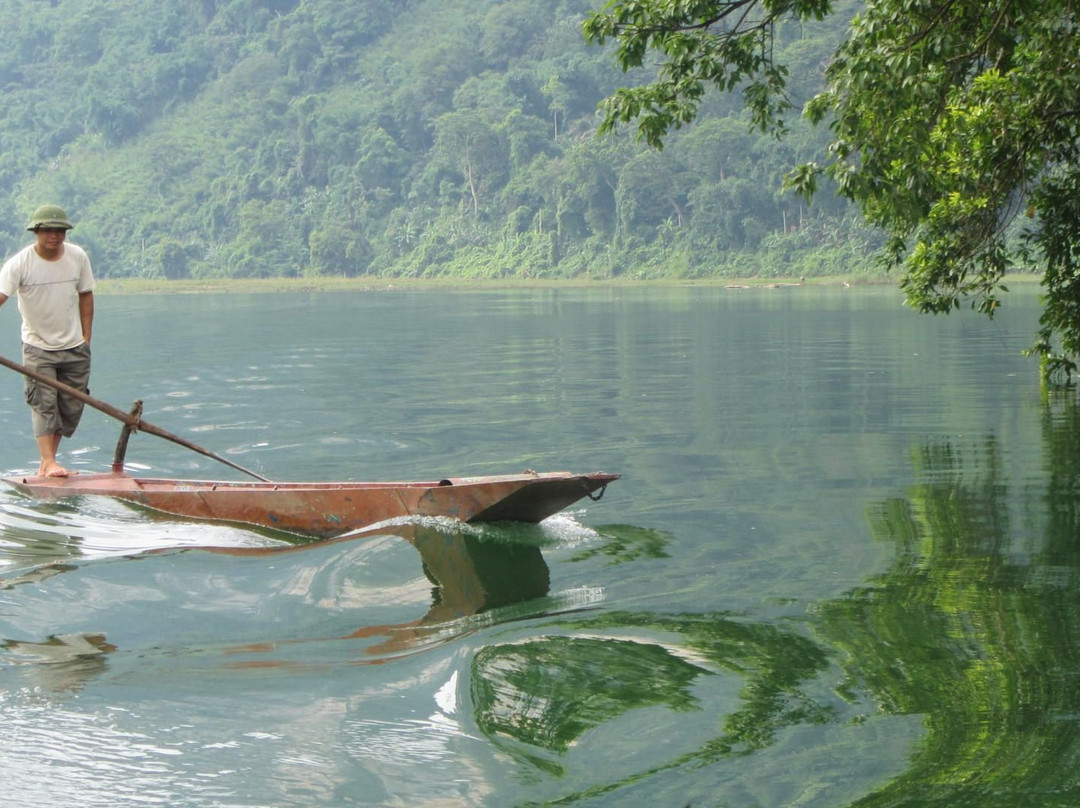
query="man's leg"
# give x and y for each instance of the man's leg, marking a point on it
(48, 445)
(46, 410)
(73, 369)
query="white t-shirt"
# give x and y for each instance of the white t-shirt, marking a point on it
(48, 293)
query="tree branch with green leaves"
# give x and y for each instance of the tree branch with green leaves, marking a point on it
(953, 126)
(703, 43)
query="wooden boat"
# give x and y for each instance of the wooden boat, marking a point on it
(328, 509)
(323, 510)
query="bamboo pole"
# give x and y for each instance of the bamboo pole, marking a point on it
(132, 420)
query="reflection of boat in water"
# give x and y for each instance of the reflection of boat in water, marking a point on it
(333, 597)
(62, 662)
(472, 576)
(366, 597)
(332, 508)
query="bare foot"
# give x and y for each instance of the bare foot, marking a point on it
(53, 470)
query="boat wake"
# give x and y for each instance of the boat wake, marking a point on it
(36, 532)
(237, 600)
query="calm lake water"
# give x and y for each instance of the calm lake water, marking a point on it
(840, 568)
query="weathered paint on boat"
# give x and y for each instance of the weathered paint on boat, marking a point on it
(330, 509)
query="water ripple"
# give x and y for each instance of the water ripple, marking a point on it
(390, 592)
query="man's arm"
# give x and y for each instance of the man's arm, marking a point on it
(3, 297)
(86, 314)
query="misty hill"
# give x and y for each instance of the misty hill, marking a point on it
(236, 138)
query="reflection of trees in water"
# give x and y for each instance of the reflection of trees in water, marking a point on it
(1061, 440)
(974, 628)
(621, 543)
(544, 694)
(973, 635)
(536, 698)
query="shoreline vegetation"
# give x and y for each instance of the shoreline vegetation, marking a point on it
(136, 286)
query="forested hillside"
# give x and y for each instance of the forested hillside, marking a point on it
(272, 138)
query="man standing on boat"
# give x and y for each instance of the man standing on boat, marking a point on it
(55, 288)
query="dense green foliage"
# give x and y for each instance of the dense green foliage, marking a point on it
(954, 126)
(278, 138)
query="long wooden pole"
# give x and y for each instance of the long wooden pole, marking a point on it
(132, 420)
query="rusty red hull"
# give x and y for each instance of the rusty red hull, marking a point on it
(330, 509)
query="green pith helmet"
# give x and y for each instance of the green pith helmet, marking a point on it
(51, 216)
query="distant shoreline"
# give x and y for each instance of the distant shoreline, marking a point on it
(135, 286)
(382, 284)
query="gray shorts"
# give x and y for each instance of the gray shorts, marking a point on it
(50, 410)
